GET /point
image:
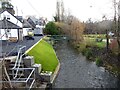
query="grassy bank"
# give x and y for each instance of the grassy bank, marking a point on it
(96, 51)
(44, 54)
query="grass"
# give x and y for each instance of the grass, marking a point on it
(103, 36)
(101, 44)
(92, 42)
(44, 54)
(89, 44)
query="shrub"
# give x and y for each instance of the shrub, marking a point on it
(90, 42)
(51, 29)
(98, 61)
(81, 47)
(83, 51)
(88, 53)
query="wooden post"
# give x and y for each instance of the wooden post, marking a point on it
(107, 40)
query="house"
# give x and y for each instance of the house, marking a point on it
(32, 21)
(10, 26)
(39, 27)
(27, 27)
(36, 24)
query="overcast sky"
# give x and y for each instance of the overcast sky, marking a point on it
(82, 9)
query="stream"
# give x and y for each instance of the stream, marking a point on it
(77, 72)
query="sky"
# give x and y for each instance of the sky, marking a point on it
(82, 9)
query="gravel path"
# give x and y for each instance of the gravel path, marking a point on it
(77, 72)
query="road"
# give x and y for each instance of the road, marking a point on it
(12, 46)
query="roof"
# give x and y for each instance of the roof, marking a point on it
(20, 18)
(31, 22)
(26, 24)
(5, 24)
(2, 10)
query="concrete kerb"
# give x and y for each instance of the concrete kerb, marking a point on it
(55, 73)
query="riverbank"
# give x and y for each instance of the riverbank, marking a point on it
(94, 49)
(107, 59)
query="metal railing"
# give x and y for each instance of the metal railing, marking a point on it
(16, 79)
(17, 68)
(24, 80)
(18, 61)
(58, 37)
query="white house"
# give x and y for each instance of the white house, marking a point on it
(32, 24)
(26, 27)
(10, 26)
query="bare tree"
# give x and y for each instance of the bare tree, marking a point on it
(59, 11)
(62, 11)
(73, 28)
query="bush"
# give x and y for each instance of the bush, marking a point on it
(83, 51)
(90, 42)
(88, 53)
(82, 47)
(51, 29)
(98, 61)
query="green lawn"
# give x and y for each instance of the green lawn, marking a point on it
(103, 36)
(44, 54)
(92, 42)
(101, 44)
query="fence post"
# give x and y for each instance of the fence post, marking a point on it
(107, 40)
